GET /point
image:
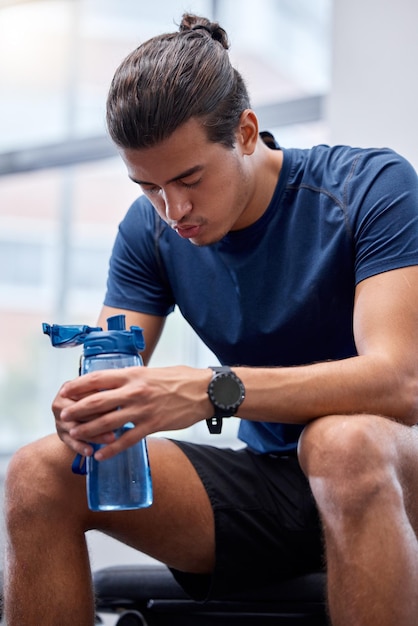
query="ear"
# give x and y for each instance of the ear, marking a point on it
(247, 133)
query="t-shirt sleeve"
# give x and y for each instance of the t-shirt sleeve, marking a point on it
(137, 280)
(386, 224)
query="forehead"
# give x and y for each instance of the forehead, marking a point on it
(187, 147)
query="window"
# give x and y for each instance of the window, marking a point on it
(20, 263)
(63, 188)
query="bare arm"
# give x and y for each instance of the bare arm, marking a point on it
(152, 326)
(382, 379)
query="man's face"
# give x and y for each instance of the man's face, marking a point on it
(200, 188)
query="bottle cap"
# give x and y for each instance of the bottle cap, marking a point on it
(114, 341)
(95, 339)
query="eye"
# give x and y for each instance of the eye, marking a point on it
(189, 184)
(150, 190)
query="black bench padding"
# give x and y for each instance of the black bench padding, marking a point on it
(152, 591)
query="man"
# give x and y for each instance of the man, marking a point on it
(298, 268)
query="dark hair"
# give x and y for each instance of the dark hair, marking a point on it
(172, 78)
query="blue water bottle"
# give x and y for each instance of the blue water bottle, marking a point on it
(124, 481)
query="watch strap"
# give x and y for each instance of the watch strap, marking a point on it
(215, 423)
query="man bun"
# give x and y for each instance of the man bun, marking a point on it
(172, 78)
(192, 22)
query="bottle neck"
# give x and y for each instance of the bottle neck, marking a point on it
(116, 360)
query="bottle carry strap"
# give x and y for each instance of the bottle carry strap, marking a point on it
(79, 465)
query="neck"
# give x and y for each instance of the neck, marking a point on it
(267, 168)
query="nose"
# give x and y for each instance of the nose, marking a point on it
(177, 204)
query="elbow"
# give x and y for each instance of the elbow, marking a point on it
(406, 404)
(409, 419)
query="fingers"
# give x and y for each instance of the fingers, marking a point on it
(93, 395)
(129, 438)
(91, 407)
(96, 381)
(85, 418)
(99, 426)
(80, 443)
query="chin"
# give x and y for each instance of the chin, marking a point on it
(205, 241)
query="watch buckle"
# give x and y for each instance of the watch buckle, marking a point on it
(214, 425)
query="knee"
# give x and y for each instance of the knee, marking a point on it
(32, 482)
(349, 460)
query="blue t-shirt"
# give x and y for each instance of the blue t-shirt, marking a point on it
(280, 292)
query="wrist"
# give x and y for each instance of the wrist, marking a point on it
(226, 393)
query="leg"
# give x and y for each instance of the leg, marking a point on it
(363, 472)
(47, 566)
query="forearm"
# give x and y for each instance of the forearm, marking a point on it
(362, 384)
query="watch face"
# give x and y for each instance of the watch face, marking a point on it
(227, 391)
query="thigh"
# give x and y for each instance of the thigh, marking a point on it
(177, 529)
(266, 522)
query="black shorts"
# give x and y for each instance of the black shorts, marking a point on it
(266, 523)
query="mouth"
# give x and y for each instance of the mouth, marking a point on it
(188, 232)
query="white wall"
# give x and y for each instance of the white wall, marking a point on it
(374, 96)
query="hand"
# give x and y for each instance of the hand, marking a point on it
(63, 427)
(91, 407)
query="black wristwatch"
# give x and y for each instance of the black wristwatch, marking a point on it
(226, 392)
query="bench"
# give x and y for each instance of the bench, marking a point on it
(148, 595)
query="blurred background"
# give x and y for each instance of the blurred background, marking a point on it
(63, 188)
(318, 71)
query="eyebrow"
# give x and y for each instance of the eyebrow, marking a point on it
(185, 174)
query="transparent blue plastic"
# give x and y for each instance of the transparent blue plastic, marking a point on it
(124, 481)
